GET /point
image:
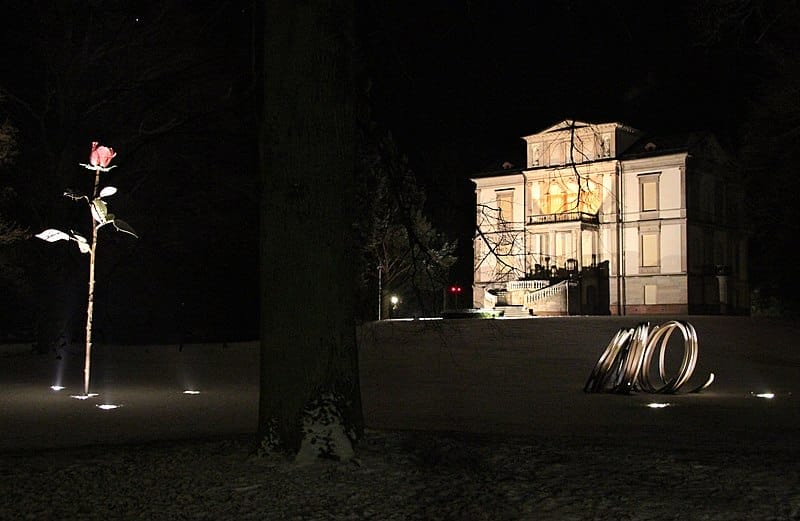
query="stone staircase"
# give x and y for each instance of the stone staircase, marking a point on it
(513, 311)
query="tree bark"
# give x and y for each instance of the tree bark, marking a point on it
(308, 143)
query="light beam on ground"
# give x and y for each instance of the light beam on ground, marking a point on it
(83, 396)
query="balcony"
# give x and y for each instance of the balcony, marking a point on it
(564, 217)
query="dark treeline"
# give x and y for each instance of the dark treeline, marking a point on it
(175, 92)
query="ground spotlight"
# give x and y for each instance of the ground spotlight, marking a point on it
(107, 406)
(57, 387)
(766, 396)
(191, 391)
(83, 396)
(658, 405)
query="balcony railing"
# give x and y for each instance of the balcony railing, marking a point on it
(564, 217)
(516, 285)
(549, 291)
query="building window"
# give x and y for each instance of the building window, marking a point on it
(650, 294)
(649, 249)
(535, 154)
(564, 247)
(719, 203)
(535, 247)
(505, 206)
(555, 152)
(538, 250)
(556, 198)
(604, 145)
(589, 196)
(708, 248)
(648, 192)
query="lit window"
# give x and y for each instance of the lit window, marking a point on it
(556, 198)
(648, 190)
(589, 195)
(649, 249)
(505, 205)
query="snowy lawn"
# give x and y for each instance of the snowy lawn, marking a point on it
(468, 420)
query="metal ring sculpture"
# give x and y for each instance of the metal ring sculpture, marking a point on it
(624, 366)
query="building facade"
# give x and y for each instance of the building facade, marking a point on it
(603, 219)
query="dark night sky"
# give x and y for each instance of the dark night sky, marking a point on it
(480, 76)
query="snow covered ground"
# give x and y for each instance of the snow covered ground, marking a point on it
(147, 382)
(468, 420)
(526, 376)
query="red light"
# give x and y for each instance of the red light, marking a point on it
(455, 289)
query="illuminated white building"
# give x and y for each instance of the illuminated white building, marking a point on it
(605, 219)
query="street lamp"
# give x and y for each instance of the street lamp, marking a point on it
(394, 300)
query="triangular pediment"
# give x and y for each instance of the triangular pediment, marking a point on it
(566, 125)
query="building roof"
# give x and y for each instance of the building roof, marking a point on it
(565, 125)
(571, 124)
(650, 145)
(654, 145)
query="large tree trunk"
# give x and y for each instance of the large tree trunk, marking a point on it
(308, 138)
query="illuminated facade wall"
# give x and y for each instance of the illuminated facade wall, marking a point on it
(591, 193)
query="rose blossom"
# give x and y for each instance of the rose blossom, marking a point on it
(101, 156)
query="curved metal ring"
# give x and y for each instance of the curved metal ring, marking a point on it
(624, 366)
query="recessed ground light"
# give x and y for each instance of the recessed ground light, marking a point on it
(83, 396)
(658, 405)
(57, 387)
(767, 396)
(191, 391)
(107, 406)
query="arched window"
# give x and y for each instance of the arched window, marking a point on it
(556, 198)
